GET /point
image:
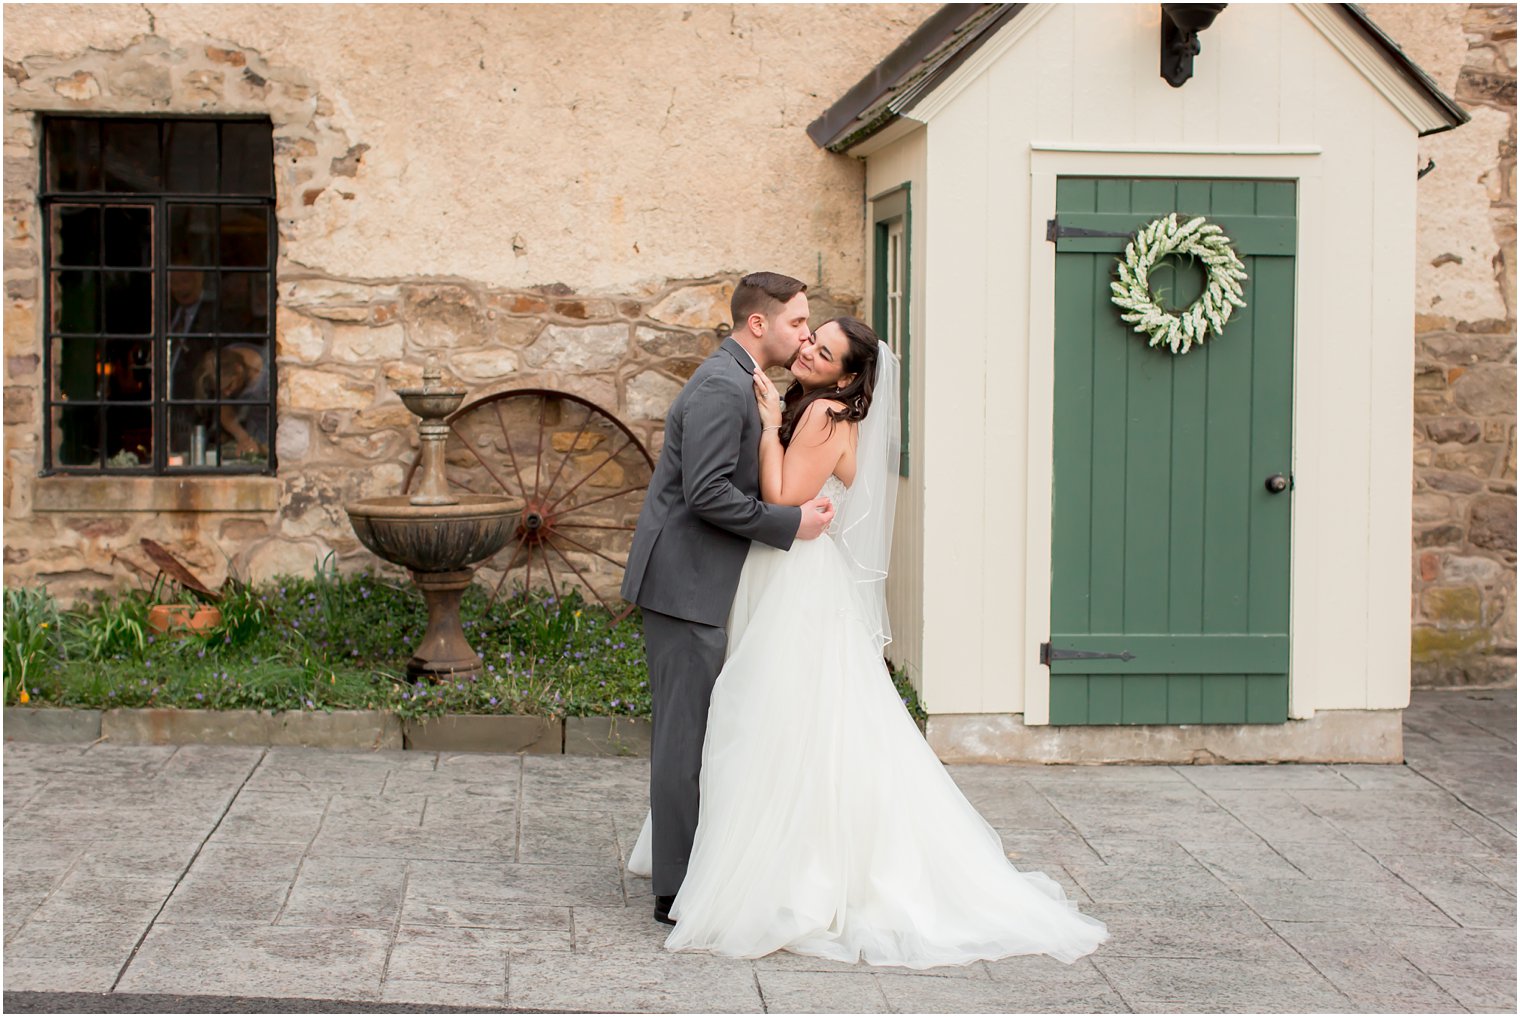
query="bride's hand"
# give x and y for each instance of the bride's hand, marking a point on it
(768, 400)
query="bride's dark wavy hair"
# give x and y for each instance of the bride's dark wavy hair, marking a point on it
(859, 360)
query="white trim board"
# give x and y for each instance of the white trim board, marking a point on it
(1393, 85)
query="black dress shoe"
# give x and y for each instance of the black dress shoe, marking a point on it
(662, 909)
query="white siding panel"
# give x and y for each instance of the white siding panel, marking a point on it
(954, 462)
(1392, 451)
(1334, 437)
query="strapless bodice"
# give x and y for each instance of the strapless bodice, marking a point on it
(836, 491)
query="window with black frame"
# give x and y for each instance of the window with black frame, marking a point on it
(160, 251)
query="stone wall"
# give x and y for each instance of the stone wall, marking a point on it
(1464, 466)
(541, 196)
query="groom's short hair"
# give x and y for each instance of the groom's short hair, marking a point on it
(765, 292)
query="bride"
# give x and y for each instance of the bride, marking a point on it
(827, 826)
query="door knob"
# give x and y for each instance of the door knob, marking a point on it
(1277, 483)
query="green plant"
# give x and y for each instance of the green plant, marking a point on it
(243, 615)
(112, 627)
(906, 692)
(30, 638)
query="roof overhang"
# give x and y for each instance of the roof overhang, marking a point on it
(873, 112)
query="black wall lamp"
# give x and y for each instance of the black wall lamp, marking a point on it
(1180, 25)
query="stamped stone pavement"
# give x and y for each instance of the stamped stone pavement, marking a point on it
(496, 882)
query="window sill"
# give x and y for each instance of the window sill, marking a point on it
(156, 494)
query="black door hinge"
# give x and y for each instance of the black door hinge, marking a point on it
(1048, 654)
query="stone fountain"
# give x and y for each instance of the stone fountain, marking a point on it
(436, 534)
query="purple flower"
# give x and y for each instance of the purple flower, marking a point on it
(200, 695)
(493, 700)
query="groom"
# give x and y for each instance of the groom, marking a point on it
(700, 514)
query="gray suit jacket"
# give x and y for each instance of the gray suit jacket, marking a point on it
(703, 506)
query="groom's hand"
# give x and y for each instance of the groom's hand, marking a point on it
(816, 517)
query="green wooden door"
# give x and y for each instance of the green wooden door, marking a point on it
(1167, 547)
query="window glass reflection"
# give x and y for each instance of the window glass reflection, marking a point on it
(129, 156)
(129, 303)
(129, 437)
(244, 302)
(74, 369)
(245, 236)
(192, 301)
(187, 358)
(129, 237)
(128, 370)
(76, 435)
(76, 235)
(247, 158)
(73, 149)
(76, 302)
(190, 149)
(192, 235)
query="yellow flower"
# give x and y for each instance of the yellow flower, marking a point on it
(577, 614)
(24, 697)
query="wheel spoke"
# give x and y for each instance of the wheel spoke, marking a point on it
(538, 467)
(480, 459)
(591, 526)
(510, 562)
(507, 438)
(594, 501)
(592, 550)
(528, 577)
(588, 476)
(570, 451)
(553, 586)
(584, 581)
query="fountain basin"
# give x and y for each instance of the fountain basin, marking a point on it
(435, 538)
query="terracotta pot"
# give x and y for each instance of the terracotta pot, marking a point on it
(182, 618)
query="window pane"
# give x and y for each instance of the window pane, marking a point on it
(192, 301)
(245, 436)
(129, 156)
(192, 235)
(76, 301)
(245, 236)
(192, 435)
(76, 235)
(127, 366)
(192, 368)
(76, 435)
(247, 158)
(191, 152)
(74, 370)
(244, 303)
(129, 437)
(129, 303)
(73, 155)
(129, 237)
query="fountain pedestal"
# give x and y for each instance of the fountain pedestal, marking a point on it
(437, 535)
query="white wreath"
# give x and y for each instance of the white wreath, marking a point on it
(1210, 312)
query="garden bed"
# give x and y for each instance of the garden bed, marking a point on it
(297, 661)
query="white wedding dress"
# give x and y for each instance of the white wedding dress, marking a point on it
(828, 827)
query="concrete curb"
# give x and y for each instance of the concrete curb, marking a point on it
(341, 729)
(37, 724)
(464, 732)
(608, 736)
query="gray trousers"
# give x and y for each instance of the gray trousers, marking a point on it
(684, 660)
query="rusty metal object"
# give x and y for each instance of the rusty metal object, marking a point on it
(578, 474)
(176, 569)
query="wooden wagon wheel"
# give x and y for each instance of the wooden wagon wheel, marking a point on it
(581, 475)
